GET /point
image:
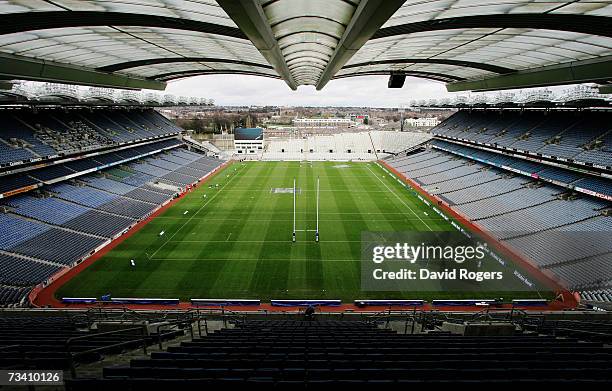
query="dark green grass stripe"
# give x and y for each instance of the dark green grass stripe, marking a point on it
(229, 250)
(269, 276)
(188, 228)
(342, 278)
(314, 269)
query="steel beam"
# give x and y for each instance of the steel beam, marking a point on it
(443, 61)
(28, 21)
(424, 75)
(585, 24)
(367, 19)
(24, 68)
(174, 60)
(250, 17)
(181, 74)
(587, 71)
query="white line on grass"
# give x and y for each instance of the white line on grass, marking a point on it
(399, 198)
(236, 189)
(207, 218)
(193, 215)
(260, 241)
(291, 213)
(257, 259)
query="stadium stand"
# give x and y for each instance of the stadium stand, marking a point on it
(41, 342)
(568, 178)
(83, 195)
(54, 173)
(601, 295)
(580, 136)
(12, 182)
(539, 210)
(98, 223)
(11, 295)
(51, 246)
(279, 353)
(344, 146)
(51, 210)
(82, 207)
(23, 271)
(86, 213)
(16, 230)
(49, 133)
(128, 207)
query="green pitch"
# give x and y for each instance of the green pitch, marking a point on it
(231, 238)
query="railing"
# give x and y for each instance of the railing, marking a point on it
(187, 322)
(72, 357)
(121, 315)
(561, 327)
(431, 319)
(593, 335)
(5, 347)
(416, 315)
(232, 316)
(185, 319)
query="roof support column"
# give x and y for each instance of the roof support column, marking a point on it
(367, 19)
(250, 17)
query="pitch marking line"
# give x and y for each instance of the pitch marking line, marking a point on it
(280, 212)
(401, 200)
(272, 190)
(306, 220)
(257, 259)
(193, 215)
(261, 241)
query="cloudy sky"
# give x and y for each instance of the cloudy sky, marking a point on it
(357, 91)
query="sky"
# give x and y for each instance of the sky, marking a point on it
(372, 91)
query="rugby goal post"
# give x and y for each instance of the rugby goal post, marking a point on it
(293, 236)
(317, 229)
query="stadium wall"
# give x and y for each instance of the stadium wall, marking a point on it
(547, 278)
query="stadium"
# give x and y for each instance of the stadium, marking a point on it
(314, 250)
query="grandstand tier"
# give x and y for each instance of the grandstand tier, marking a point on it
(82, 201)
(554, 214)
(314, 354)
(346, 146)
(583, 137)
(49, 133)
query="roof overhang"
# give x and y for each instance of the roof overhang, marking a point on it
(15, 67)
(599, 70)
(497, 44)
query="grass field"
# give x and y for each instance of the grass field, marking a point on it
(231, 238)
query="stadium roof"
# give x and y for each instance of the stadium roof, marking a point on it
(469, 44)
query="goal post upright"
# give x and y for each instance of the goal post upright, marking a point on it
(317, 230)
(293, 236)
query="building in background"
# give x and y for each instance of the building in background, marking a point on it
(323, 122)
(425, 122)
(248, 141)
(361, 119)
(224, 141)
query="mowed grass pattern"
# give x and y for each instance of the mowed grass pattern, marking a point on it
(231, 237)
